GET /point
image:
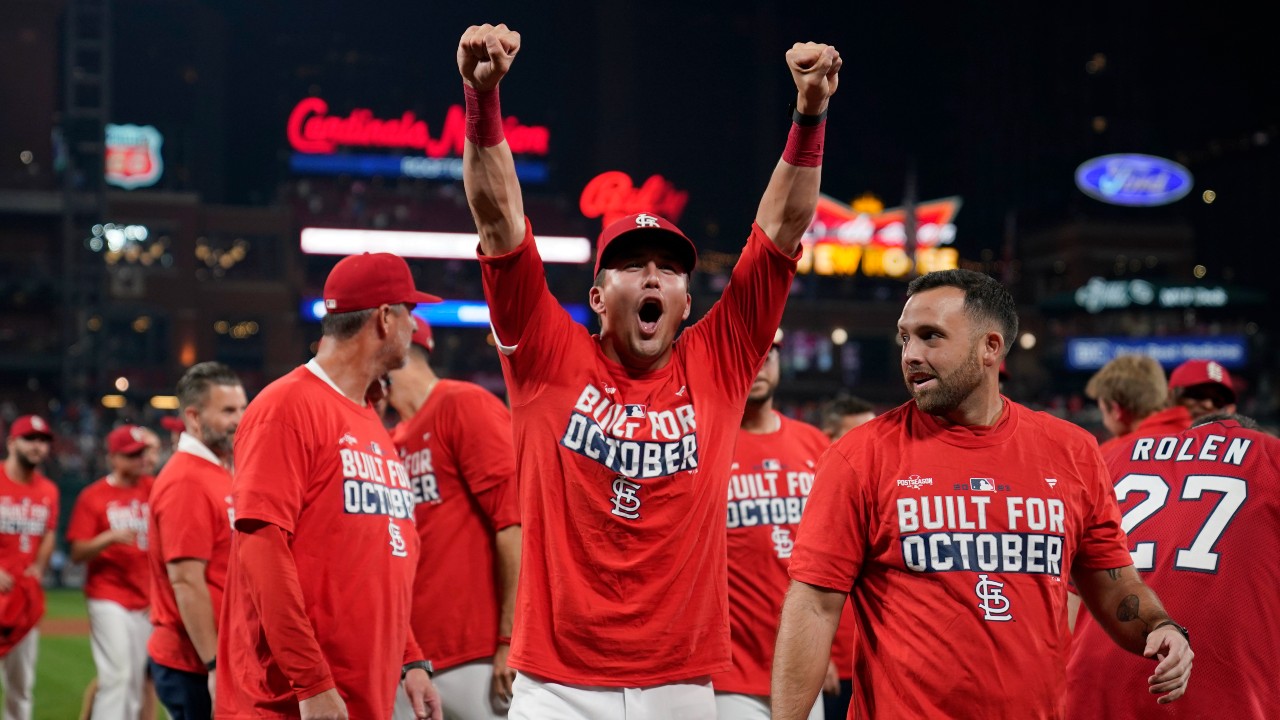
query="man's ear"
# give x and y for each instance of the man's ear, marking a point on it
(595, 298)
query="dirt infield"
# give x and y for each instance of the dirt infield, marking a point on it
(64, 626)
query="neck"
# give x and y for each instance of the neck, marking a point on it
(17, 471)
(980, 410)
(411, 387)
(122, 480)
(758, 417)
(349, 364)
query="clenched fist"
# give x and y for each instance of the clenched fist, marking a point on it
(815, 68)
(485, 53)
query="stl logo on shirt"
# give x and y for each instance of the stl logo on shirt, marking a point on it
(782, 542)
(994, 605)
(398, 545)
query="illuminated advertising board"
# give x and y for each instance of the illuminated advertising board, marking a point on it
(133, 158)
(433, 245)
(1091, 353)
(1132, 179)
(331, 144)
(449, 313)
(848, 240)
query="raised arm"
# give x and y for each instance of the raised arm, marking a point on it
(792, 195)
(485, 53)
(1132, 615)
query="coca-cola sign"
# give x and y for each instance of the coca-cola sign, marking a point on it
(311, 129)
(612, 195)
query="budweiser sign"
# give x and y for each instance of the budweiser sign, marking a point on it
(612, 195)
(312, 129)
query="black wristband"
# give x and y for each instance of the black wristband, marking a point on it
(803, 120)
(418, 664)
(213, 663)
(1185, 633)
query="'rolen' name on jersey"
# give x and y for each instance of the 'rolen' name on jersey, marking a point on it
(631, 441)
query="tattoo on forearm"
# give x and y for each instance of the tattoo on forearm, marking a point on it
(1114, 574)
(1128, 609)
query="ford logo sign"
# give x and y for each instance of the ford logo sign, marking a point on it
(1142, 180)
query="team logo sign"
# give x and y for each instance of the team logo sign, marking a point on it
(992, 602)
(133, 156)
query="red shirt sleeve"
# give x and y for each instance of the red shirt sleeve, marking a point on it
(271, 480)
(833, 536)
(86, 517)
(271, 581)
(479, 427)
(1103, 544)
(186, 521)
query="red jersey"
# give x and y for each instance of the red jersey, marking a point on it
(768, 488)
(119, 573)
(27, 511)
(957, 542)
(324, 470)
(623, 476)
(1169, 421)
(190, 520)
(457, 450)
(1202, 509)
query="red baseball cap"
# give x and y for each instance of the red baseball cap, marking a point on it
(173, 424)
(648, 225)
(422, 336)
(360, 282)
(126, 440)
(29, 425)
(1202, 372)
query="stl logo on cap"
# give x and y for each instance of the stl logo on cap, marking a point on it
(645, 220)
(1215, 372)
(37, 423)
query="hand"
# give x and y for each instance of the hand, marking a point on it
(34, 571)
(6, 581)
(831, 681)
(328, 705)
(423, 695)
(122, 536)
(815, 68)
(1173, 672)
(485, 53)
(504, 676)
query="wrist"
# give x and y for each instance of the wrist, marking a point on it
(504, 639)
(211, 664)
(483, 125)
(1167, 622)
(418, 665)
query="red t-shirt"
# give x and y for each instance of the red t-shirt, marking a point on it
(768, 488)
(957, 542)
(27, 511)
(1169, 421)
(457, 450)
(623, 476)
(119, 573)
(324, 470)
(190, 520)
(1202, 509)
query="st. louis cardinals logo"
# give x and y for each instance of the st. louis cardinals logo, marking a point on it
(646, 220)
(994, 605)
(782, 542)
(625, 502)
(398, 545)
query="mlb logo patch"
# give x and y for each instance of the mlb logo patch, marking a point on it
(771, 464)
(982, 484)
(330, 304)
(375, 448)
(634, 411)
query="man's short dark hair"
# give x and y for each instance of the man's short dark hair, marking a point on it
(194, 385)
(343, 326)
(985, 299)
(845, 405)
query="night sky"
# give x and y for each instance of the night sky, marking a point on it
(994, 106)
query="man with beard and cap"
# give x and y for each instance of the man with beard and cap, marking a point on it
(624, 439)
(772, 471)
(315, 615)
(954, 522)
(190, 532)
(28, 521)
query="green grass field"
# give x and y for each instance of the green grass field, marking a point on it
(64, 666)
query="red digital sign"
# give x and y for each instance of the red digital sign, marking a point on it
(843, 240)
(311, 129)
(612, 195)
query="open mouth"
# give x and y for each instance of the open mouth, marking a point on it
(649, 315)
(921, 381)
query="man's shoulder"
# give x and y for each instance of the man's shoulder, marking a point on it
(1062, 431)
(809, 434)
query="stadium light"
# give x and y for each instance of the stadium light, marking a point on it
(435, 245)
